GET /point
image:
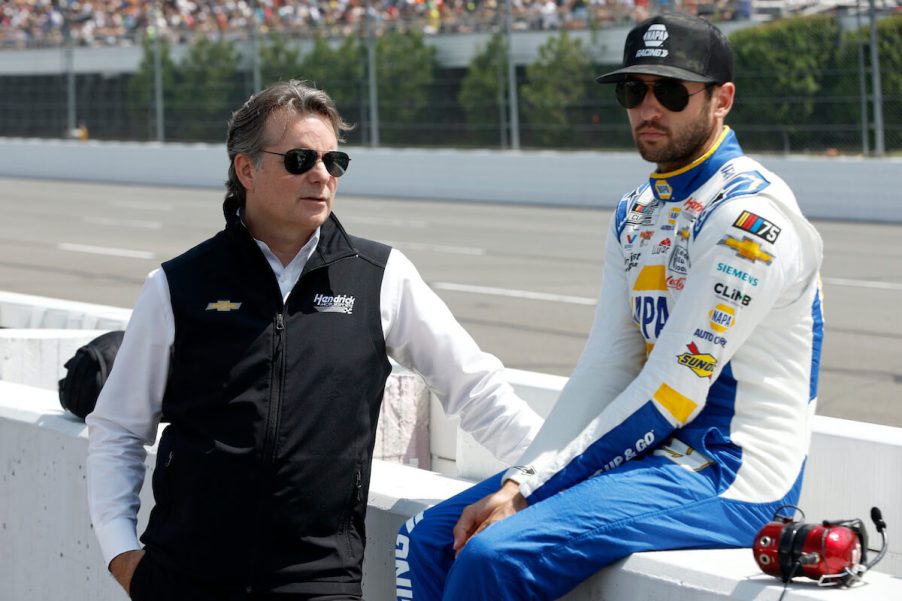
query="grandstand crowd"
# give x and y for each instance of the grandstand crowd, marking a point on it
(36, 23)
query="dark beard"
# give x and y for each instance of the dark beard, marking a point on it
(680, 151)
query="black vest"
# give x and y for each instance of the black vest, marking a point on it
(262, 475)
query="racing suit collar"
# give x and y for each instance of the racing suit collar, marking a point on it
(677, 185)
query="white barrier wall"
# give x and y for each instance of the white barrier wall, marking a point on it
(48, 550)
(834, 188)
(29, 311)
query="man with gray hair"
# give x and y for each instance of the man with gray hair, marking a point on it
(266, 350)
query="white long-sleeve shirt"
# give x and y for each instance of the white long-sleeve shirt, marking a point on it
(420, 334)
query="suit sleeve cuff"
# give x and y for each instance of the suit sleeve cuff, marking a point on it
(117, 537)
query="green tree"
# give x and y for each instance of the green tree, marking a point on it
(405, 70)
(889, 47)
(141, 92)
(278, 60)
(483, 92)
(846, 91)
(340, 71)
(209, 90)
(555, 96)
(781, 69)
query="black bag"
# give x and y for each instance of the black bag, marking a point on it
(87, 372)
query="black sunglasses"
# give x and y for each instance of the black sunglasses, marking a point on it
(672, 94)
(302, 160)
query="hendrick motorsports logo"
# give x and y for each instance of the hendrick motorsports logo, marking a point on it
(340, 303)
(702, 364)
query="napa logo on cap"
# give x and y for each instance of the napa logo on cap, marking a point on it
(655, 35)
(654, 38)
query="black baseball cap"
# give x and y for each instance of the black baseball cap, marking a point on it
(675, 45)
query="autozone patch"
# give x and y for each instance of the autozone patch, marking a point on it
(759, 226)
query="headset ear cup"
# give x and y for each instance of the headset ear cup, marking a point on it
(788, 548)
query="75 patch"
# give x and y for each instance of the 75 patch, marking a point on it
(759, 226)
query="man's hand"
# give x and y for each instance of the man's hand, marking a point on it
(123, 568)
(485, 512)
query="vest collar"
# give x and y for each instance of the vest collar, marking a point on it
(334, 242)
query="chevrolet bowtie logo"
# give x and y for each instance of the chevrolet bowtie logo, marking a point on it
(223, 305)
(748, 249)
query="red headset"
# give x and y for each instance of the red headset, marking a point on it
(832, 552)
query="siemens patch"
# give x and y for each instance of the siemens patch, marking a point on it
(737, 273)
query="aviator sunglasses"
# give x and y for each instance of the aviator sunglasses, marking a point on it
(302, 160)
(672, 95)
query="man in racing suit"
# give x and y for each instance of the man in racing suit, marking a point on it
(687, 419)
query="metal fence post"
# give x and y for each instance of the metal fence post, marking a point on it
(502, 109)
(255, 47)
(512, 79)
(862, 85)
(879, 148)
(158, 75)
(371, 74)
(70, 77)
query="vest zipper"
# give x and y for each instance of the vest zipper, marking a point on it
(278, 380)
(358, 484)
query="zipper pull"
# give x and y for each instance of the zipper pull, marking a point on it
(169, 459)
(358, 484)
(280, 322)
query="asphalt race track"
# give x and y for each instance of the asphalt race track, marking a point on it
(523, 280)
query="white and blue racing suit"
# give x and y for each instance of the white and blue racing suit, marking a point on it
(687, 420)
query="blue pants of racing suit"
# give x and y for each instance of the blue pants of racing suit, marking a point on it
(547, 549)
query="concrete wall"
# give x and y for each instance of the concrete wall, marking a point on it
(48, 550)
(832, 188)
